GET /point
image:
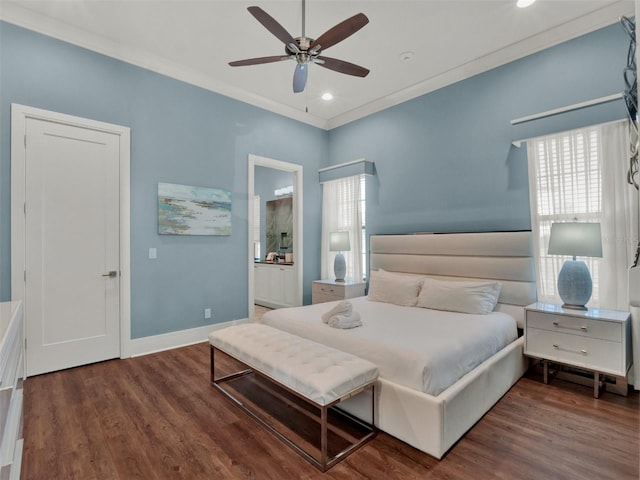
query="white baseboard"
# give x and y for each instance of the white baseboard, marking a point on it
(181, 338)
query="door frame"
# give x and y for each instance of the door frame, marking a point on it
(19, 116)
(296, 170)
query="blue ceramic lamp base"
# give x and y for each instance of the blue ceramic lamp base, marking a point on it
(574, 284)
(340, 267)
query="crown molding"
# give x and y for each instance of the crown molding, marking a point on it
(17, 15)
(588, 23)
(22, 17)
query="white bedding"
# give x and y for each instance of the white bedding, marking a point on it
(426, 350)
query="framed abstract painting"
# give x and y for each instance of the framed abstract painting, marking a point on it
(189, 210)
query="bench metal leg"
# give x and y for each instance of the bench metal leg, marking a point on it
(323, 436)
(324, 462)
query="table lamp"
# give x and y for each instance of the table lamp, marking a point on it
(575, 239)
(339, 242)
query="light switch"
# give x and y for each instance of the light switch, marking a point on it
(153, 253)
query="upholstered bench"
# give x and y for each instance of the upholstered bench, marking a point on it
(319, 375)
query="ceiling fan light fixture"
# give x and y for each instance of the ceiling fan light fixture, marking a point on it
(304, 50)
(525, 3)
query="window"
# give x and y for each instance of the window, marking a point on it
(568, 186)
(343, 203)
(581, 174)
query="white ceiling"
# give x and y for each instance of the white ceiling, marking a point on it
(193, 40)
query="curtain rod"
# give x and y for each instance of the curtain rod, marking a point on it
(518, 143)
(569, 108)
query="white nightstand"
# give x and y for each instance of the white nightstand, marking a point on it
(595, 340)
(330, 290)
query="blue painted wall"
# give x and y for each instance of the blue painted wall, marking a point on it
(179, 134)
(445, 162)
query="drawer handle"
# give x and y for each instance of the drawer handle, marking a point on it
(327, 290)
(584, 328)
(583, 351)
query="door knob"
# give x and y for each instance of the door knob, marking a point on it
(111, 274)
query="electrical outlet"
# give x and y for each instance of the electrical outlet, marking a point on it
(207, 313)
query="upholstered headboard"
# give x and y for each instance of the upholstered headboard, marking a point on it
(503, 256)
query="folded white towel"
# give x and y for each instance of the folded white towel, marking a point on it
(343, 307)
(350, 320)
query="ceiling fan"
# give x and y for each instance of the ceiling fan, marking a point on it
(305, 50)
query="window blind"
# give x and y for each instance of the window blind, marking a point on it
(567, 178)
(581, 174)
(342, 210)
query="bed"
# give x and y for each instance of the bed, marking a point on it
(440, 371)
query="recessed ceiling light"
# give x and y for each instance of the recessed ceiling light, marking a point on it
(525, 3)
(327, 96)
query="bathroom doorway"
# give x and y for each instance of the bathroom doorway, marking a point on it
(275, 273)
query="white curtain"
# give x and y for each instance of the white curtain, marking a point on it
(342, 212)
(620, 218)
(582, 174)
(622, 222)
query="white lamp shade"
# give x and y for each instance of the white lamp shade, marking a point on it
(575, 239)
(339, 242)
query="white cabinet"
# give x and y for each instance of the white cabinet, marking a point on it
(332, 290)
(261, 282)
(290, 290)
(11, 378)
(596, 340)
(275, 285)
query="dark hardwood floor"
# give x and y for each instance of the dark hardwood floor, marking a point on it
(157, 417)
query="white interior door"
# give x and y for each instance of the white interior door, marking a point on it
(71, 245)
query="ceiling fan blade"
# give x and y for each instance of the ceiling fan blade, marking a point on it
(300, 77)
(272, 25)
(258, 60)
(340, 32)
(342, 66)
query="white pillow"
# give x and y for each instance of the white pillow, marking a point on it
(396, 289)
(454, 296)
(405, 276)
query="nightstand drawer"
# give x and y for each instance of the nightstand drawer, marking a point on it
(325, 289)
(581, 351)
(322, 298)
(331, 290)
(580, 326)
